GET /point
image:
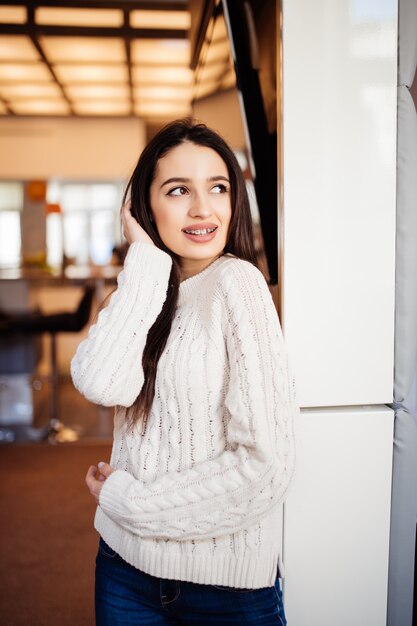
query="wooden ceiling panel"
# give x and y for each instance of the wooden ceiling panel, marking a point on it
(109, 57)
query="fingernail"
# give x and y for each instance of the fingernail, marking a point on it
(101, 464)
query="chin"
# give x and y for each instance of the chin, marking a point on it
(206, 253)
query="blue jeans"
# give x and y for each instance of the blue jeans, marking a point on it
(125, 595)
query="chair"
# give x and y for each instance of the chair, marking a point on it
(38, 323)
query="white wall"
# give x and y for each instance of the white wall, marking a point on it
(336, 536)
(337, 226)
(69, 148)
(339, 186)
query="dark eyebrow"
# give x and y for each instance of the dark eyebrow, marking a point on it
(214, 178)
(187, 180)
(175, 180)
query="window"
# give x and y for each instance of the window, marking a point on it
(89, 224)
(11, 204)
(86, 229)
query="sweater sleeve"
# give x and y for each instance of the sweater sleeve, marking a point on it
(252, 475)
(107, 367)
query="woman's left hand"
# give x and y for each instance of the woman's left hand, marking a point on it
(95, 477)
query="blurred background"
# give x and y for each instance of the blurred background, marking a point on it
(83, 87)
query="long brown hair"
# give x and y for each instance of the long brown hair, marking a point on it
(240, 240)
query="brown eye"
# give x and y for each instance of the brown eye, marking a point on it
(177, 191)
(220, 188)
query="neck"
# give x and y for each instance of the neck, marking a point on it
(191, 267)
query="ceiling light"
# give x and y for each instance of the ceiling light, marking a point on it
(12, 15)
(209, 72)
(217, 52)
(160, 19)
(229, 80)
(158, 51)
(163, 93)
(206, 89)
(97, 91)
(100, 107)
(17, 48)
(91, 73)
(220, 30)
(166, 75)
(165, 109)
(83, 49)
(40, 107)
(45, 90)
(24, 72)
(79, 17)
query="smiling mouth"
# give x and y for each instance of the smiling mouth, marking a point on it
(200, 231)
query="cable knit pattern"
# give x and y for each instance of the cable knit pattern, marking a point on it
(198, 497)
(107, 367)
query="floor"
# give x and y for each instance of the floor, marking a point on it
(48, 542)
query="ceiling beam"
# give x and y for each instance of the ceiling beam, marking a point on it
(151, 5)
(125, 31)
(127, 44)
(46, 61)
(6, 105)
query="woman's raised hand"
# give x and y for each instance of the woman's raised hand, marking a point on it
(132, 230)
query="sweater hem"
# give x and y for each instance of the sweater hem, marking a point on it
(249, 570)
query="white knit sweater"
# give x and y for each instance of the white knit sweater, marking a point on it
(198, 497)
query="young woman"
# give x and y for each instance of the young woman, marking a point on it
(191, 353)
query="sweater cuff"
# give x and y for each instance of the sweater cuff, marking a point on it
(148, 257)
(114, 492)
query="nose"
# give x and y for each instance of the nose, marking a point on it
(200, 206)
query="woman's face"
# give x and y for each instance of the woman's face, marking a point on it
(191, 204)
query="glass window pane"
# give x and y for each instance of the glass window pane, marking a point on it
(54, 239)
(53, 192)
(10, 240)
(76, 237)
(91, 217)
(104, 197)
(11, 196)
(117, 230)
(74, 198)
(102, 242)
